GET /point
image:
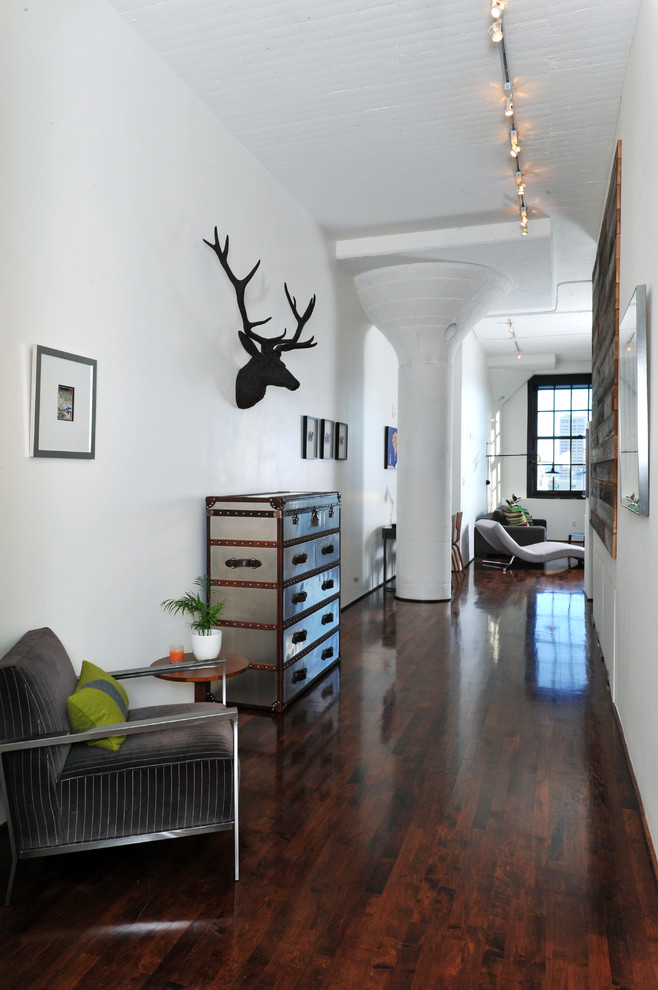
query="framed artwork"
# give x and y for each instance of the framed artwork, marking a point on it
(63, 404)
(390, 447)
(340, 441)
(326, 438)
(309, 437)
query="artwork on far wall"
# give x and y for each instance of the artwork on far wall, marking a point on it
(326, 448)
(391, 447)
(63, 404)
(309, 437)
(340, 439)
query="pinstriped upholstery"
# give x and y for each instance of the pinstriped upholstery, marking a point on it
(184, 775)
(36, 677)
(174, 778)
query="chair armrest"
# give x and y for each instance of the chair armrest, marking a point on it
(120, 729)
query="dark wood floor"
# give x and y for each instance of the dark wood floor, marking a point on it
(452, 810)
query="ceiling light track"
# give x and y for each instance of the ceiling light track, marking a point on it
(512, 331)
(497, 35)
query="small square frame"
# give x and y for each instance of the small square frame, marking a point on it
(340, 440)
(326, 439)
(58, 433)
(309, 437)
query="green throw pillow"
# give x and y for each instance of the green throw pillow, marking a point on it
(515, 516)
(99, 699)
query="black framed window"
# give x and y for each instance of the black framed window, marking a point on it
(559, 410)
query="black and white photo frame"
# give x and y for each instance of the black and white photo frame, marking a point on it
(340, 441)
(309, 437)
(326, 448)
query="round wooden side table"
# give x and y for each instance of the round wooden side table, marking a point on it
(201, 674)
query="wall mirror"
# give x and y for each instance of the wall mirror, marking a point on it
(634, 405)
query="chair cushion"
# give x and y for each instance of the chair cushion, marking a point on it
(158, 781)
(99, 699)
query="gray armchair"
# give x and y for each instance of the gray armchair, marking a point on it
(176, 773)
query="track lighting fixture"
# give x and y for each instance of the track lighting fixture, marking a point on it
(496, 34)
(512, 331)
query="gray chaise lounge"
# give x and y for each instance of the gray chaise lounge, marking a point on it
(538, 553)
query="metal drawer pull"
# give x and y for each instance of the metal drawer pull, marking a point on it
(328, 549)
(245, 562)
(329, 652)
(327, 584)
(299, 675)
(300, 558)
(301, 596)
(327, 618)
(300, 636)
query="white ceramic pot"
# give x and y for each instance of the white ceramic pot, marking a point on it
(206, 646)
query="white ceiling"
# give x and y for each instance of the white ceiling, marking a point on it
(384, 119)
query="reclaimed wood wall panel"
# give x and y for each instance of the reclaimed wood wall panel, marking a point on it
(605, 362)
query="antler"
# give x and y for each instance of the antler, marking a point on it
(302, 320)
(240, 286)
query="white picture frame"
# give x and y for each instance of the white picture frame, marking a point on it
(63, 404)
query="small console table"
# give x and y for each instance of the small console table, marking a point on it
(201, 673)
(388, 533)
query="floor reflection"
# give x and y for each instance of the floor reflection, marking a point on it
(557, 667)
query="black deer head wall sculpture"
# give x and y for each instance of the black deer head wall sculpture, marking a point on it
(265, 366)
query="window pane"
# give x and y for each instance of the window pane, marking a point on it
(579, 424)
(545, 398)
(563, 398)
(563, 480)
(544, 424)
(580, 398)
(545, 451)
(562, 424)
(578, 478)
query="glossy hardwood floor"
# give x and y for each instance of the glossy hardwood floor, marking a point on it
(451, 810)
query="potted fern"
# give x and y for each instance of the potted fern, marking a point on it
(203, 615)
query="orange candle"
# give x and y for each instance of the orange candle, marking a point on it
(176, 653)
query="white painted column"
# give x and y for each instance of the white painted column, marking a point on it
(425, 310)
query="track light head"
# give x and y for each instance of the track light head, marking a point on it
(496, 32)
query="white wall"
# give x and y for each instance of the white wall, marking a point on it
(112, 175)
(630, 581)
